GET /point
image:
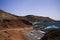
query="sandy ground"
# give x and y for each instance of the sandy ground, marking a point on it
(14, 34)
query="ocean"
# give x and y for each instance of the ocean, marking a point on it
(49, 25)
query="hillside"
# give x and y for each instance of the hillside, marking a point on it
(8, 20)
(6, 15)
(33, 18)
(14, 27)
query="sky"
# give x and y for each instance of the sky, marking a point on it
(46, 8)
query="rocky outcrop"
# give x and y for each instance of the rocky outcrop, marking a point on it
(52, 35)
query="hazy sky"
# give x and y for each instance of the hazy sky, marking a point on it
(48, 8)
